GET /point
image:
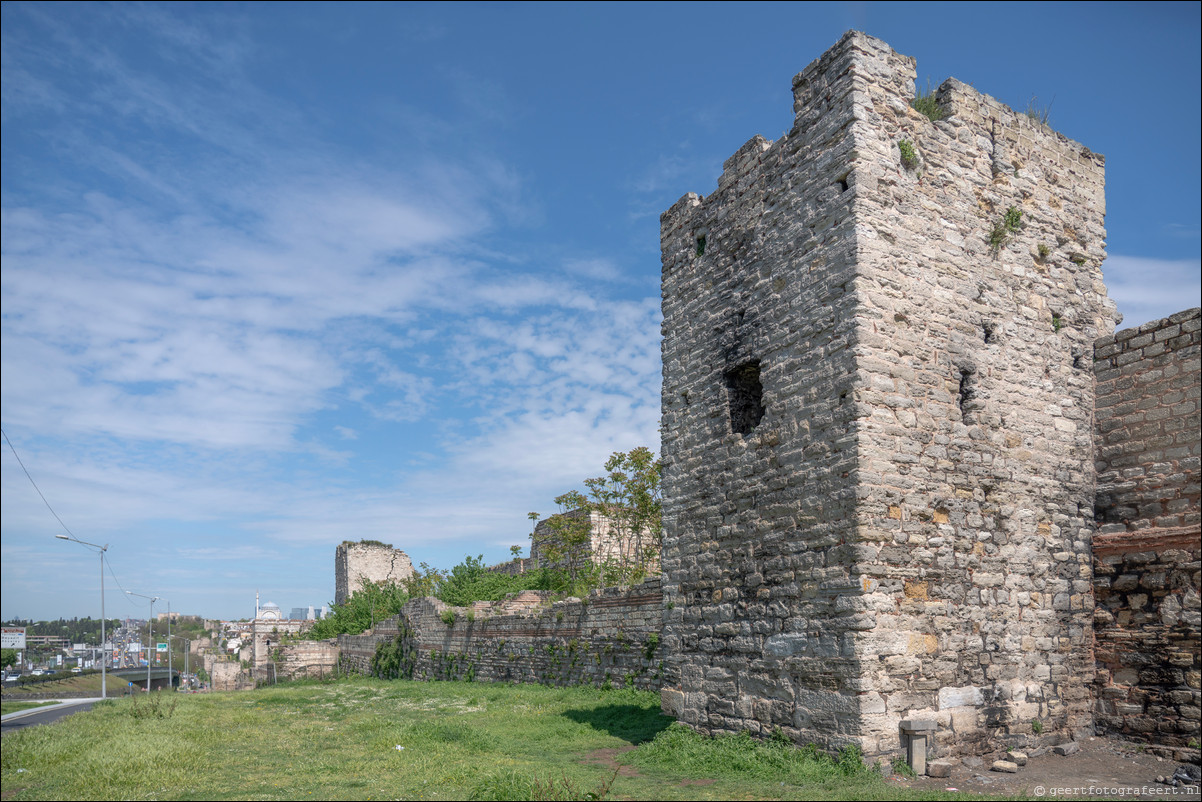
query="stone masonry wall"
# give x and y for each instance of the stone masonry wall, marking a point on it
(1147, 429)
(878, 423)
(308, 658)
(1147, 552)
(975, 423)
(758, 443)
(356, 562)
(519, 565)
(606, 544)
(264, 637)
(225, 675)
(613, 636)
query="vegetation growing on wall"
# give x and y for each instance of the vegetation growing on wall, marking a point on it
(374, 602)
(627, 495)
(926, 103)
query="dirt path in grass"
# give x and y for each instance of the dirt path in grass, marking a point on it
(609, 759)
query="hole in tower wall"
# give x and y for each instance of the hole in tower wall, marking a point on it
(967, 398)
(843, 185)
(746, 396)
(990, 331)
(700, 244)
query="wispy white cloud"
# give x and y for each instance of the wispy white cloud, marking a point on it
(174, 335)
(1149, 289)
(1183, 230)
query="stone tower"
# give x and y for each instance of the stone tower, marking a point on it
(367, 560)
(877, 419)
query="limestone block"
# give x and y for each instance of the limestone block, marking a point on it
(968, 695)
(939, 769)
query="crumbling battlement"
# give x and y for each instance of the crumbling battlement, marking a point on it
(355, 563)
(877, 421)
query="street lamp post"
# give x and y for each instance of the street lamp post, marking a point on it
(187, 651)
(149, 632)
(170, 676)
(104, 694)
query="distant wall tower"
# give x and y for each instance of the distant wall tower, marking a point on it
(367, 560)
(877, 420)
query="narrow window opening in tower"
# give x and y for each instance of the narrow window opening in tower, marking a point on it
(746, 396)
(968, 392)
(843, 185)
(701, 245)
(990, 332)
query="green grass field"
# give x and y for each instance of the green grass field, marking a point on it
(70, 684)
(373, 739)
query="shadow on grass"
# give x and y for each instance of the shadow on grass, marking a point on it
(634, 724)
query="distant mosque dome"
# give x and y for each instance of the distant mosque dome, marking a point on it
(270, 612)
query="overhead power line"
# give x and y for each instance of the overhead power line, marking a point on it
(104, 556)
(35, 484)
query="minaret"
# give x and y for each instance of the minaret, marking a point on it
(256, 605)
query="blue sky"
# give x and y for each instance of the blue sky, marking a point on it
(277, 275)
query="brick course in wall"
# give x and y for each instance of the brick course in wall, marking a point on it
(1148, 617)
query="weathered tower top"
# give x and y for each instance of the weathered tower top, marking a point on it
(370, 561)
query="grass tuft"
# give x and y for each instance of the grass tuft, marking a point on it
(1039, 113)
(742, 757)
(926, 103)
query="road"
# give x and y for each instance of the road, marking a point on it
(43, 715)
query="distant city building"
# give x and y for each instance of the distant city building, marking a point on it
(310, 613)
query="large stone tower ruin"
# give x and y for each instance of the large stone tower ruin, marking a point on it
(877, 420)
(370, 561)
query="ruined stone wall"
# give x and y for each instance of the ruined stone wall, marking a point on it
(605, 545)
(612, 636)
(1147, 428)
(356, 651)
(225, 675)
(878, 420)
(1147, 551)
(310, 658)
(515, 567)
(356, 562)
(265, 638)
